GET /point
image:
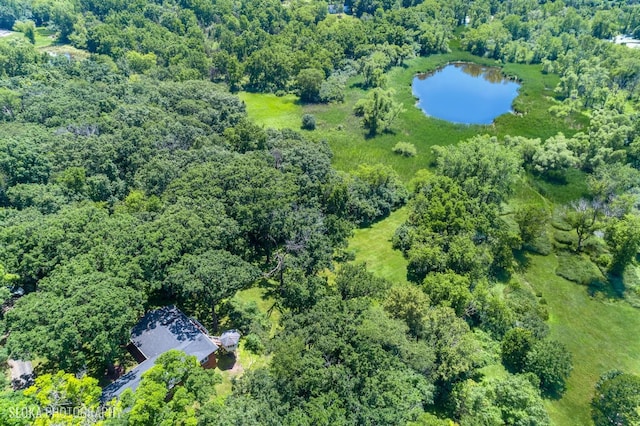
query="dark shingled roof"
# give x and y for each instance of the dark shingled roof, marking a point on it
(157, 332)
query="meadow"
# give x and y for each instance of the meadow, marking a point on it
(337, 124)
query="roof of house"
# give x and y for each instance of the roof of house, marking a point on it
(157, 332)
(229, 338)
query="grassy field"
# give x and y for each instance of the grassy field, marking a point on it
(601, 335)
(372, 246)
(44, 37)
(337, 124)
(272, 111)
(46, 42)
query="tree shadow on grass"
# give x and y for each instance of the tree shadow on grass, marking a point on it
(523, 260)
(611, 288)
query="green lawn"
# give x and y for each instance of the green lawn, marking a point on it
(273, 111)
(44, 37)
(601, 335)
(372, 245)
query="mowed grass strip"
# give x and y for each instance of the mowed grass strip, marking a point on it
(373, 246)
(271, 111)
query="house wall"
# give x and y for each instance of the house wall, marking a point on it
(211, 362)
(136, 353)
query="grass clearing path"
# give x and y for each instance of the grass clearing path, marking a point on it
(372, 245)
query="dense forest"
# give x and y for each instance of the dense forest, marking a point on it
(133, 176)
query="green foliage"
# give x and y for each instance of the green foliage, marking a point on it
(531, 220)
(584, 217)
(616, 399)
(623, 237)
(308, 122)
(448, 289)
(308, 83)
(551, 362)
(578, 268)
(516, 344)
(172, 391)
(28, 28)
(455, 348)
(405, 149)
(209, 278)
(379, 111)
(409, 304)
(513, 400)
(353, 281)
(62, 398)
(333, 88)
(371, 193)
(484, 168)
(253, 343)
(554, 157)
(79, 319)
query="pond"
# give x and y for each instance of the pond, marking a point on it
(465, 93)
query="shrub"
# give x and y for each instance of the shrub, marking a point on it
(578, 269)
(616, 400)
(308, 122)
(253, 343)
(405, 149)
(551, 362)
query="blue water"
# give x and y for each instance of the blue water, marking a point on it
(465, 93)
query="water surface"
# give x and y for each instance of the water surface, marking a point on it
(465, 93)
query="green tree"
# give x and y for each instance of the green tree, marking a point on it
(28, 28)
(79, 319)
(59, 396)
(7, 280)
(584, 217)
(171, 392)
(379, 111)
(554, 157)
(515, 346)
(513, 400)
(616, 400)
(209, 278)
(448, 289)
(308, 82)
(455, 348)
(551, 362)
(623, 237)
(409, 304)
(531, 220)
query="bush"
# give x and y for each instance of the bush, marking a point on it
(515, 346)
(308, 122)
(616, 400)
(551, 362)
(253, 343)
(405, 149)
(578, 269)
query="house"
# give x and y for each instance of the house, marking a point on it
(229, 341)
(157, 332)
